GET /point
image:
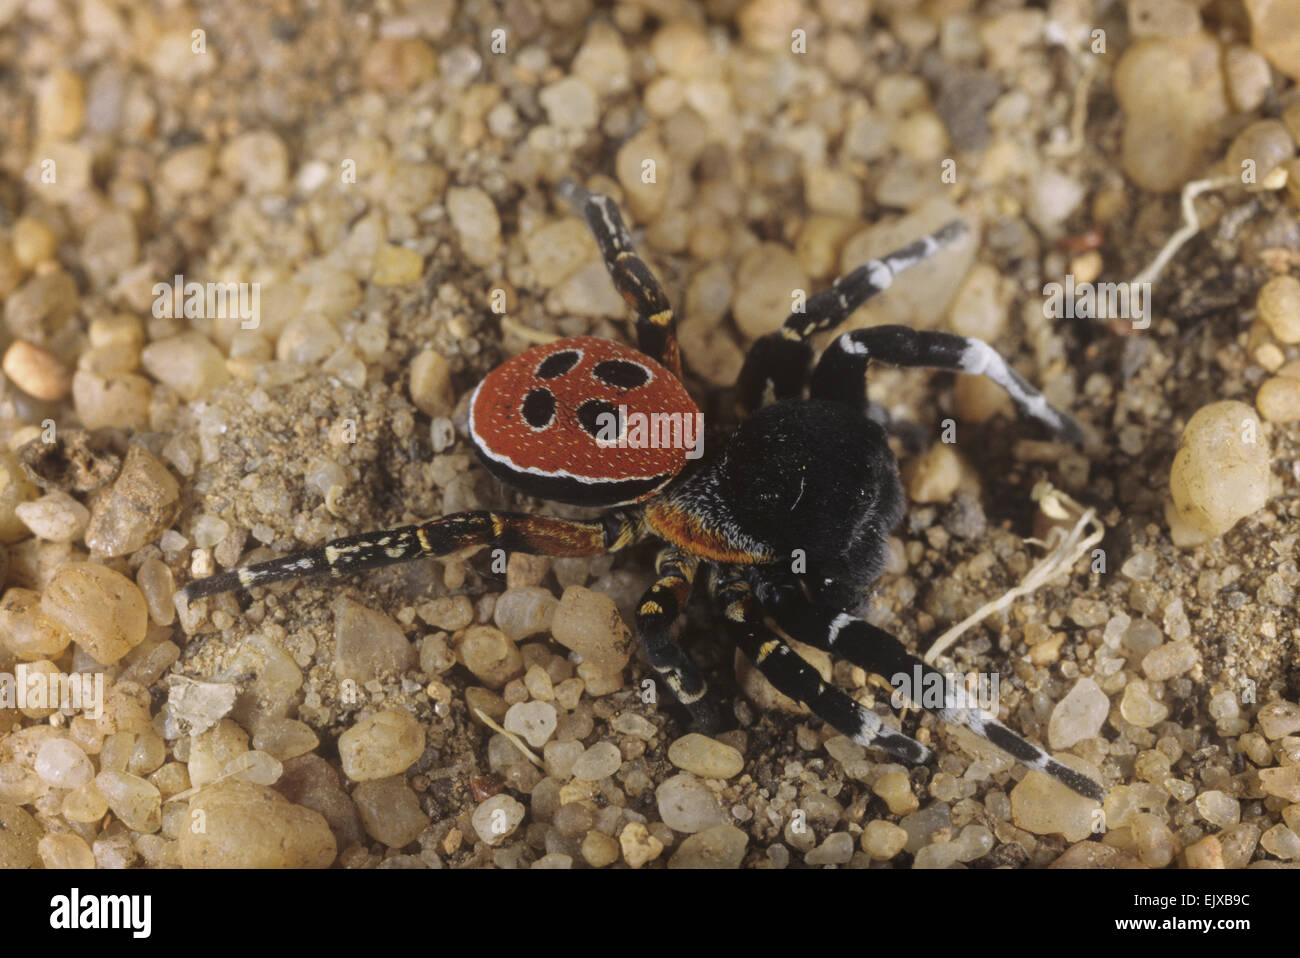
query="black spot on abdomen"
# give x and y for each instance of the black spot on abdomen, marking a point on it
(557, 364)
(591, 412)
(621, 374)
(539, 408)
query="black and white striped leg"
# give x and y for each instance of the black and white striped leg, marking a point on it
(512, 531)
(656, 330)
(774, 359)
(656, 615)
(790, 674)
(840, 374)
(880, 653)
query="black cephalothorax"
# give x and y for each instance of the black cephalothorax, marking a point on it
(790, 512)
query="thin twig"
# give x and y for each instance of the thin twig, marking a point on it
(1056, 505)
(514, 739)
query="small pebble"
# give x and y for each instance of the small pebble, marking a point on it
(533, 721)
(836, 850)
(1218, 808)
(1283, 782)
(525, 611)
(430, 384)
(638, 845)
(188, 363)
(390, 811)
(60, 763)
(1221, 471)
(588, 622)
(883, 840)
(132, 799)
(386, 743)
(1078, 716)
(490, 655)
(638, 726)
(938, 855)
(138, 507)
(705, 757)
(496, 819)
(687, 805)
(65, 850)
(600, 761)
(368, 644)
(252, 826)
(599, 850)
(1278, 399)
(1140, 707)
(475, 219)
(934, 475)
(1278, 305)
(1043, 806)
(1282, 842)
(722, 846)
(102, 610)
(896, 789)
(36, 371)
(1279, 719)
(1169, 660)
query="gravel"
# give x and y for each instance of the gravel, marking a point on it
(337, 722)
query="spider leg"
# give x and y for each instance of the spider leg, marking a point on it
(781, 359)
(656, 615)
(790, 674)
(840, 374)
(880, 653)
(656, 331)
(513, 531)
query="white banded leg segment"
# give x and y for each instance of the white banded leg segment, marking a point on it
(1029, 754)
(791, 675)
(779, 361)
(875, 650)
(840, 374)
(981, 359)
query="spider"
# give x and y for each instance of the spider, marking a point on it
(791, 511)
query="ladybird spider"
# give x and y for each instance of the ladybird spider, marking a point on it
(811, 477)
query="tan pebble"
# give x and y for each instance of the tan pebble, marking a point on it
(36, 372)
(102, 610)
(252, 826)
(1221, 471)
(1207, 853)
(705, 757)
(639, 846)
(386, 743)
(33, 242)
(934, 475)
(722, 846)
(599, 850)
(896, 789)
(431, 387)
(398, 64)
(883, 840)
(1278, 305)
(489, 654)
(396, 266)
(60, 105)
(1043, 806)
